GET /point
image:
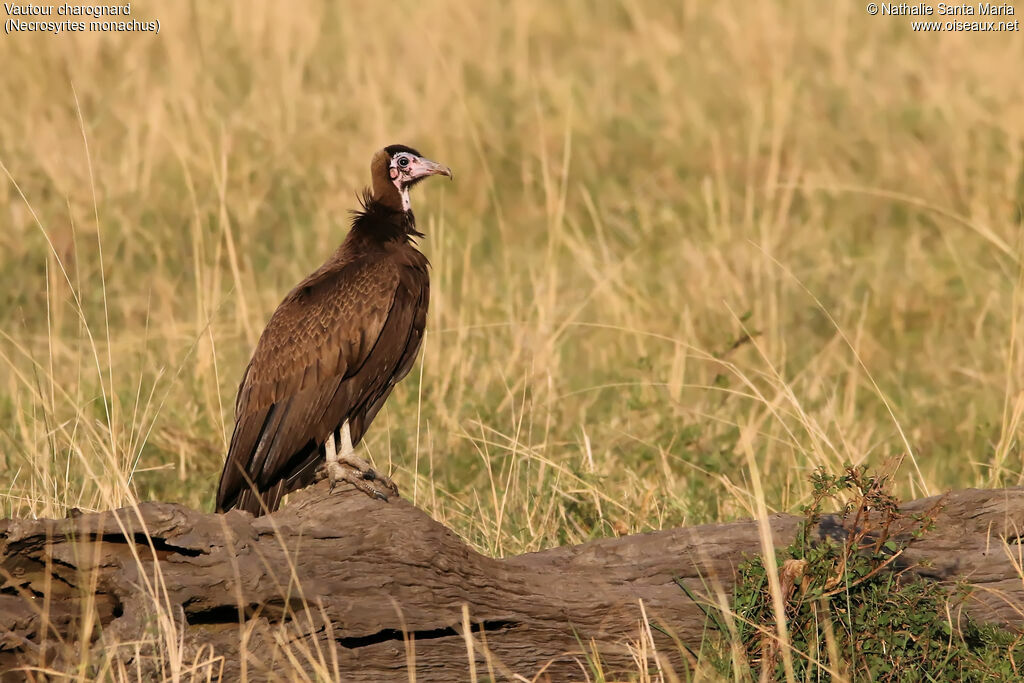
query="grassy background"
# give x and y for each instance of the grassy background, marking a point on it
(638, 186)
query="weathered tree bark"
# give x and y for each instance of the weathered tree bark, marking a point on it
(359, 589)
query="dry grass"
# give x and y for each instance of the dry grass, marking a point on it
(639, 186)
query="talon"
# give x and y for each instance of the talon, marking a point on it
(360, 479)
(348, 467)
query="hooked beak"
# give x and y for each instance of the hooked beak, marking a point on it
(421, 168)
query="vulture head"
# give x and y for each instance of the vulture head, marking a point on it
(395, 169)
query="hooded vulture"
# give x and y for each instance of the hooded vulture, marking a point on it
(333, 350)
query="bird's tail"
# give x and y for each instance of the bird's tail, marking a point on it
(250, 499)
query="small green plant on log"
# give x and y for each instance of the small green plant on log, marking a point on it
(854, 608)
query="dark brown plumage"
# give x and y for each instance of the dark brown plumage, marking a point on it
(334, 349)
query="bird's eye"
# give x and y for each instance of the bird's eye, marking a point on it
(403, 161)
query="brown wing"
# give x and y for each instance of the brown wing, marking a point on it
(329, 345)
(390, 363)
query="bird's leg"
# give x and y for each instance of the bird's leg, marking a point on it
(330, 452)
(349, 457)
(347, 466)
(328, 469)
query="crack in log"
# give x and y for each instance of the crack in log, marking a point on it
(22, 579)
(388, 634)
(15, 589)
(160, 545)
(57, 562)
(29, 546)
(274, 611)
(221, 614)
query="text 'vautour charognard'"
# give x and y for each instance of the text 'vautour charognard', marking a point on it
(68, 18)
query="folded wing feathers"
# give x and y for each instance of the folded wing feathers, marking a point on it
(319, 337)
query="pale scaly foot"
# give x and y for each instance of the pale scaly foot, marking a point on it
(349, 467)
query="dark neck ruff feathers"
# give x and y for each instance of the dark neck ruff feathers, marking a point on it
(382, 223)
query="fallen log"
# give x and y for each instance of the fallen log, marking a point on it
(343, 586)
